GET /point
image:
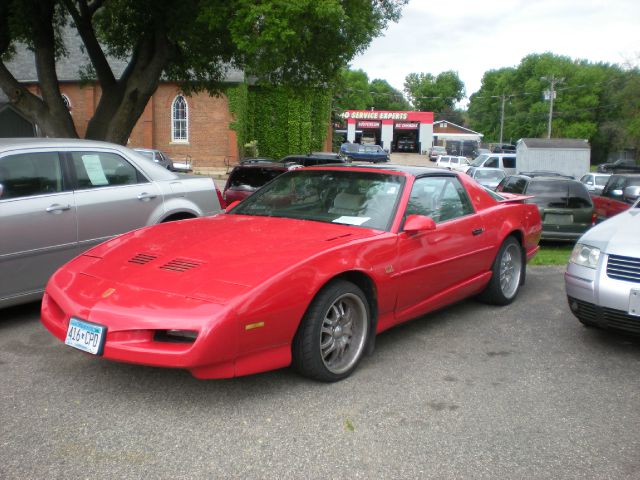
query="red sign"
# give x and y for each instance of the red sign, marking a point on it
(368, 124)
(406, 126)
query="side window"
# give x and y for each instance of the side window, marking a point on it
(441, 198)
(100, 169)
(30, 174)
(508, 162)
(491, 163)
(514, 185)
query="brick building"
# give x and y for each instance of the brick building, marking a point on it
(181, 126)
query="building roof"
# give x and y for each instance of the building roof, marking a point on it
(446, 123)
(554, 143)
(23, 67)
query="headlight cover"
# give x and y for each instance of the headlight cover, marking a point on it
(585, 255)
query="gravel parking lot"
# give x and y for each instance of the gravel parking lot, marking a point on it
(471, 391)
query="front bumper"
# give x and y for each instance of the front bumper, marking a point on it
(599, 300)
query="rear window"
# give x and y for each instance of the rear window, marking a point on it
(579, 196)
(549, 194)
(252, 177)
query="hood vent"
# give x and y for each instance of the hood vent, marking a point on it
(180, 265)
(142, 258)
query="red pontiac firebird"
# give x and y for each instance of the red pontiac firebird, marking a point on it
(305, 271)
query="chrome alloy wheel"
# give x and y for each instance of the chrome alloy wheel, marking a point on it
(343, 333)
(510, 270)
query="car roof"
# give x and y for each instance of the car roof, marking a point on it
(264, 165)
(8, 144)
(414, 171)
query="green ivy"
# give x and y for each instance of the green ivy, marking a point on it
(282, 120)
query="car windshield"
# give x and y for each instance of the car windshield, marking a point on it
(146, 154)
(496, 175)
(366, 199)
(479, 160)
(370, 148)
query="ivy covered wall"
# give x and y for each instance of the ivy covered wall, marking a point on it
(282, 120)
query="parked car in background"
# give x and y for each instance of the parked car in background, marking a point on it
(436, 151)
(487, 177)
(452, 162)
(620, 191)
(356, 251)
(602, 279)
(406, 145)
(367, 153)
(565, 204)
(595, 182)
(247, 177)
(59, 197)
(313, 159)
(503, 161)
(622, 165)
(163, 160)
(503, 148)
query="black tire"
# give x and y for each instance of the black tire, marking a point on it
(332, 337)
(507, 274)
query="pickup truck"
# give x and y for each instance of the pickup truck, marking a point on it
(622, 165)
(619, 193)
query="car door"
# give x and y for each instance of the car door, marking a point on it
(38, 221)
(434, 263)
(112, 196)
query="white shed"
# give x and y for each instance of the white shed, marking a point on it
(568, 156)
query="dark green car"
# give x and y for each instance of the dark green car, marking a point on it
(565, 205)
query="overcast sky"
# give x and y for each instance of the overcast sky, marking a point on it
(474, 36)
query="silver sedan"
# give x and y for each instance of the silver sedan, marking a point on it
(603, 275)
(59, 197)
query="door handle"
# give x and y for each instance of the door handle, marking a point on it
(56, 207)
(477, 231)
(146, 196)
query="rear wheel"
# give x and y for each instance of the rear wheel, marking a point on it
(332, 336)
(507, 274)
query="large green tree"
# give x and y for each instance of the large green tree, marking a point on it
(385, 97)
(288, 42)
(434, 93)
(351, 91)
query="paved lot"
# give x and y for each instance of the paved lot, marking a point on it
(472, 391)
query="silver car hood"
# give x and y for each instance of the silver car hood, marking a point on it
(619, 235)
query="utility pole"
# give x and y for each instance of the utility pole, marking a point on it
(504, 99)
(553, 81)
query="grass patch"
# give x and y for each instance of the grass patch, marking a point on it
(553, 254)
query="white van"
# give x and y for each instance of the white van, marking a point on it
(503, 161)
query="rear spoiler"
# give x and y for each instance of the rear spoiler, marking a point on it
(514, 197)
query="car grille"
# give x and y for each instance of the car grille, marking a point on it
(604, 317)
(142, 258)
(624, 268)
(180, 265)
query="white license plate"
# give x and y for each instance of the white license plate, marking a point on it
(86, 336)
(634, 303)
(558, 219)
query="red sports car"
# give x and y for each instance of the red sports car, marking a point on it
(306, 271)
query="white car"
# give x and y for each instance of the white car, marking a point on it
(452, 162)
(602, 279)
(595, 182)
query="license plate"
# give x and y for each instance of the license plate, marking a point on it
(86, 336)
(634, 303)
(558, 219)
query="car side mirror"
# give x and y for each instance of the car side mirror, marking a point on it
(231, 206)
(419, 223)
(631, 193)
(1, 190)
(617, 193)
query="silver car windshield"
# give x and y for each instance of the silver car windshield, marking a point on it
(479, 160)
(362, 199)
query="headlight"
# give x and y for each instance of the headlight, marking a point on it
(585, 255)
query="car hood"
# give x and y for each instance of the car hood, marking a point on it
(618, 235)
(215, 258)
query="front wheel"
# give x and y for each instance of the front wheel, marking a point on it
(507, 274)
(332, 336)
